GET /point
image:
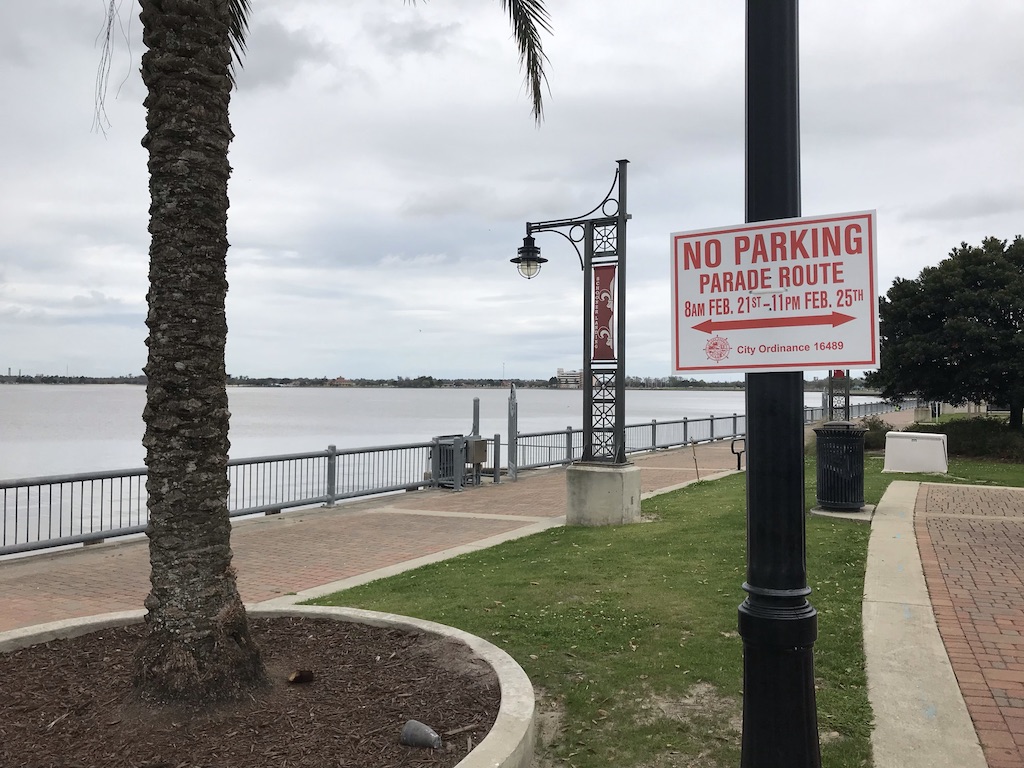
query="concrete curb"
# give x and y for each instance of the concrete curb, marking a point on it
(509, 743)
(13, 639)
(921, 720)
(668, 489)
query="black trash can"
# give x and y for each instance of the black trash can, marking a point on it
(840, 465)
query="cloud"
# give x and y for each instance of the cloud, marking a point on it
(412, 35)
(277, 55)
(988, 205)
(385, 164)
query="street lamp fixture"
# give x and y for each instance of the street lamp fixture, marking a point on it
(602, 234)
(528, 260)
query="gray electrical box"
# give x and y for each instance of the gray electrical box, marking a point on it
(476, 450)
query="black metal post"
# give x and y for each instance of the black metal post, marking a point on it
(776, 622)
(588, 329)
(620, 355)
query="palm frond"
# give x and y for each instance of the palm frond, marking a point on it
(238, 30)
(529, 18)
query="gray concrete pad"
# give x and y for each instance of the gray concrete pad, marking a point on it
(861, 515)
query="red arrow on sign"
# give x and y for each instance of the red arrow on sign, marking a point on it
(710, 326)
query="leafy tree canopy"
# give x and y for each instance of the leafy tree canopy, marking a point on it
(956, 333)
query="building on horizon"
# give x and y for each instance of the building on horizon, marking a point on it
(569, 379)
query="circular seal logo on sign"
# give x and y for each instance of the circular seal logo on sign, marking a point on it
(717, 348)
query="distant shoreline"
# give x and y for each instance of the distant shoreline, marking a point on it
(404, 383)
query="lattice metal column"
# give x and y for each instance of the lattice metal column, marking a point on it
(838, 396)
(605, 364)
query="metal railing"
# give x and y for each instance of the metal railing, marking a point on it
(857, 410)
(44, 512)
(65, 509)
(52, 511)
(546, 449)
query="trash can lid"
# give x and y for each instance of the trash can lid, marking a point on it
(841, 426)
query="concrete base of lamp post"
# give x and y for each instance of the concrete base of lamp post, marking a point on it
(602, 494)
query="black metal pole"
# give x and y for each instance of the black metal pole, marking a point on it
(588, 343)
(620, 353)
(777, 623)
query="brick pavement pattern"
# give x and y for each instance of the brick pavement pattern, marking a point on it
(283, 554)
(971, 541)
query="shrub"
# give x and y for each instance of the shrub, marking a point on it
(874, 438)
(983, 437)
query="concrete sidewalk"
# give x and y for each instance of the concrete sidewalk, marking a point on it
(944, 631)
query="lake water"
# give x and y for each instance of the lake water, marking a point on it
(50, 429)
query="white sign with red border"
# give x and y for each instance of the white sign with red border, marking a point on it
(786, 294)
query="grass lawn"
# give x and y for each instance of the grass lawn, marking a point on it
(629, 633)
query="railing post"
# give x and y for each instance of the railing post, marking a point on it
(435, 463)
(459, 462)
(712, 426)
(686, 425)
(568, 445)
(332, 474)
(513, 435)
(654, 434)
(497, 459)
(734, 425)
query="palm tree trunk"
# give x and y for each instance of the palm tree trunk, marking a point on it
(198, 646)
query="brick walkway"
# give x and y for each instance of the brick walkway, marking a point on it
(971, 541)
(300, 551)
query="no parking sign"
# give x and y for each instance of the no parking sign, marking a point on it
(776, 295)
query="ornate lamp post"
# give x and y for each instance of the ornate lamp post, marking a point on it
(602, 233)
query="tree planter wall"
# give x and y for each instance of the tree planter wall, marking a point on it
(508, 744)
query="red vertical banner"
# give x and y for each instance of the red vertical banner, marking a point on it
(604, 311)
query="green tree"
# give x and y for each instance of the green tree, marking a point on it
(198, 646)
(956, 333)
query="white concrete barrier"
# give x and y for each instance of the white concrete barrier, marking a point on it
(915, 452)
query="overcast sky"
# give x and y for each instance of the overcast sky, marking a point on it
(385, 163)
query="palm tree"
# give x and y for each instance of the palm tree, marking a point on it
(198, 647)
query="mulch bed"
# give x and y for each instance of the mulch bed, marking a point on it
(67, 703)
